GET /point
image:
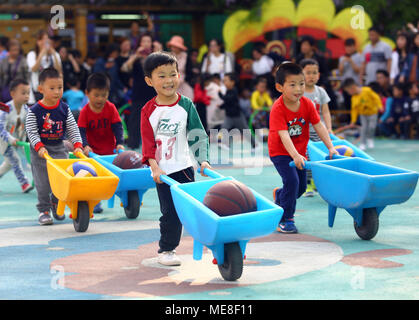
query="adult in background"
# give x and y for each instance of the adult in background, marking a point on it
(70, 66)
(377, 55)
(308, 50)
(42, 57)
(14, 66)
(401, 60)
(178, 49)
(262, 66)
(217, 61)
(349, 67)
(141, 92)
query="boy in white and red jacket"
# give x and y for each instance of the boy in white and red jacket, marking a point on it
(170, 125)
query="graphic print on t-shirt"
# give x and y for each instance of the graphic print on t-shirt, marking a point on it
(295, 127)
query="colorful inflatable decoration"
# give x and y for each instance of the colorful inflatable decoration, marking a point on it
(244, 26)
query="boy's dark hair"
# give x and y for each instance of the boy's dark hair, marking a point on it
(16, 82)
(349, 42)
(261, 79)
(48, 73)
(375, 86)
(348, 82)
(157, 59)
(98, 80)
(308, 62)
(383, 72)
(309, 39)
(400, 86)
(287, 69)
(232, 76)
(375, 28)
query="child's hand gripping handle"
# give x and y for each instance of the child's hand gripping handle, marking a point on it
(210, 173)
(307, 165)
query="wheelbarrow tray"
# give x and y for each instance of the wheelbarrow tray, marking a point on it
(139, 179)
(68, 188)
(317, 151)
(208, 228)
(356, 183)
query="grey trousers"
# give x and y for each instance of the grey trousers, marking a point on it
(40, 175)
(238, 123)
(368, 125)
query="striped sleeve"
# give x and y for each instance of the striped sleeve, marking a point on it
(73, 132)
(32, 131)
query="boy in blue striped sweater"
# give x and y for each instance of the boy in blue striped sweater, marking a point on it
(47, 122)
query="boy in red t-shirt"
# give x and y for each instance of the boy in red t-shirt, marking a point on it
(288, 138)
(99, 122)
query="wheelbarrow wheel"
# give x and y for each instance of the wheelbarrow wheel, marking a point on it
(232, 267)
(81, 223)
(133, 209)
(369, 227)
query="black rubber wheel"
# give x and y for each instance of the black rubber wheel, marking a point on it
(81, 223)
(369, 227)
(133, 209)
(232, 267)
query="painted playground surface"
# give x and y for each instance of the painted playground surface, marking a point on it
(116, 257)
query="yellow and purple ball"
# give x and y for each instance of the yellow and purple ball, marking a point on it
(345, 151)
(81, 169)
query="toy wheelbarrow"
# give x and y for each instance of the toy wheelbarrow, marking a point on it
(133, 184)
(317, 151)
(80, 194)
(363, 188)
(225, 236)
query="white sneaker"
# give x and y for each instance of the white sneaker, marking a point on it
(169, 258)
(362, 147)
(370, 143)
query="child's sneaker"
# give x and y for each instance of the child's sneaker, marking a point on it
(275, 191)
(287, 227)
(45, 219)
(169, 258)
(370, 144)
(26, 188)
(98, 208)
(362, 147)
(309, 191)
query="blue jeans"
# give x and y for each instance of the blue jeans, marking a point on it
(294, 185)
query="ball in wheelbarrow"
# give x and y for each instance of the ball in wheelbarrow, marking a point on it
(230, 197)
(345, 151)
(81, 169)
(128, 160)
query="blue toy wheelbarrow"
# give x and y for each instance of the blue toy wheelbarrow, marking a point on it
(133, 184)
(317, 151)
(363, 188)
(225, 236)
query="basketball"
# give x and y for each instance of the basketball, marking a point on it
(230, 197)
(345, 151)
(80, 169)
(128, 160)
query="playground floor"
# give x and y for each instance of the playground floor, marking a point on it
(116, 257)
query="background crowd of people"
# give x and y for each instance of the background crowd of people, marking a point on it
(393, 74)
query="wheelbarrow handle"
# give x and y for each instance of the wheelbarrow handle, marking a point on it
(211, 173)
(47, 156)
(21, 143)
(166, 179)
(80, 155)
(335, 156)
(118, 151)
(307, 165)
(92, 154)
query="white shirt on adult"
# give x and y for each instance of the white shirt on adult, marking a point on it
(220, 64)
(263, 65)
(46, 61)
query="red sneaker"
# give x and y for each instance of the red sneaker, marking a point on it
(26, 188)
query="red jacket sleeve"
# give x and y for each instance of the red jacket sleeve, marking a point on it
(147, 134)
